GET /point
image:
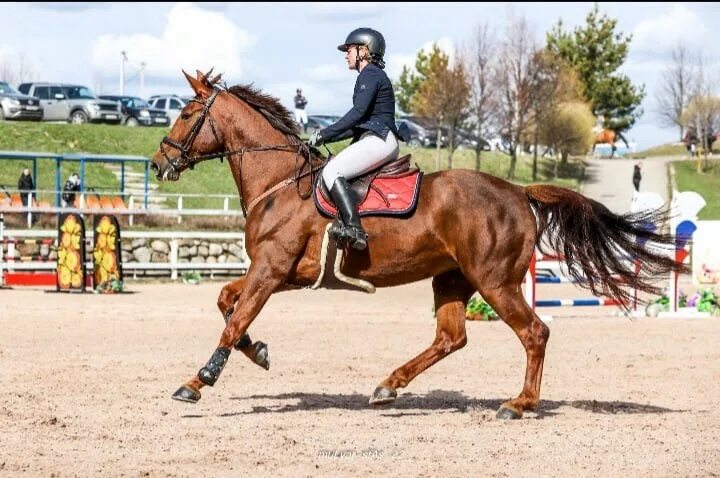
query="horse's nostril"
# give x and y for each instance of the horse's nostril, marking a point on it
(154, 167)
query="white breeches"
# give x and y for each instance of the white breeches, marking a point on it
(359, 158)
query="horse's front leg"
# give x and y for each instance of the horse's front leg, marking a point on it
(257, 352)
(265, 276)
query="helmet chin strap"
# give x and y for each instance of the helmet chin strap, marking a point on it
(357, 58)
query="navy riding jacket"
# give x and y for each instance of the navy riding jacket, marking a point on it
(373, 108)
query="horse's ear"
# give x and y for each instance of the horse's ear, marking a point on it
(197, 85)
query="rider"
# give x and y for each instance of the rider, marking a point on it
(371, 124)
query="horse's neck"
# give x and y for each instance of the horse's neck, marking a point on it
(255, 172)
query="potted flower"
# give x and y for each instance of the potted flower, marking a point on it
(478, 309)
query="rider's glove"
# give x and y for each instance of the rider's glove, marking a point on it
(316, 138)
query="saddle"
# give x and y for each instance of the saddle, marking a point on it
(390, 190)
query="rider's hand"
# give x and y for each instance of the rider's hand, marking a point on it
(316, 138)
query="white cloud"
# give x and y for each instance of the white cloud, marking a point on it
(328, 72)
(395, 63)
(665, 31)
(193, 38)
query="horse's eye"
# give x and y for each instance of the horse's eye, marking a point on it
(185, 116)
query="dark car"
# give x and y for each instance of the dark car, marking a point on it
(138, 112)
(329, 118)
(467, 140)
(430, 130)
(14, 105)
(316, 122)
(414, 134)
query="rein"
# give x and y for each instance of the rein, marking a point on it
(178, 163)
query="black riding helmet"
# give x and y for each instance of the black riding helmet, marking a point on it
(373, 39)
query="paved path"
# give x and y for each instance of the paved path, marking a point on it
(609, 181)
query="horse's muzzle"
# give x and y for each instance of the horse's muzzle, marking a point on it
(166, 173)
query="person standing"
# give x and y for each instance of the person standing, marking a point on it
(72, 186)
(300, 114)
(25, 183)
(637, 176)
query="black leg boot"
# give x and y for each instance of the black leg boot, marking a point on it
(352, 231)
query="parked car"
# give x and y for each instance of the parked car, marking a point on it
(429, 130)
(170, 104)
(74, 103)
(138, 112)
(416, 135)
(468, 140)
(329, 118)
(14, 105)
(317, 122)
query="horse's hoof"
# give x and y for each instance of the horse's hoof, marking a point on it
(186, 394)
(506, 413)
(261, 355)
(383, 396)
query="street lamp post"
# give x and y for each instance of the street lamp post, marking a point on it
(123, 54)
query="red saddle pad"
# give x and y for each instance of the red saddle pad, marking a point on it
(386, 197)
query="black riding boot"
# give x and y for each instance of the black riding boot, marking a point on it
(351, 231)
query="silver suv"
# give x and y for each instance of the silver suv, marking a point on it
(13, 105)
(74, 103)
(170, 104)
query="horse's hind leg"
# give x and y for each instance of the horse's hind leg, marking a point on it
(452, 292)
(511, 306)
(257, 352)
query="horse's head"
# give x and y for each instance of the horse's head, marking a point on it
(194, 136)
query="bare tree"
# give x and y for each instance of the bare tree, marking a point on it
(479, 59)
(17, 71)
(553, 83)
(514, 73)
(703, 111)
(568, 129)
(676, 86)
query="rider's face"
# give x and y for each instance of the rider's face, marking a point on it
(350, 56)
(352, 53)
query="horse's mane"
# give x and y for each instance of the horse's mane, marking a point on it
(268, 106)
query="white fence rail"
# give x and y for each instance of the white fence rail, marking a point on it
(173, 265)
(228, 204)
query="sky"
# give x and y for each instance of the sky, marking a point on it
(282, 46)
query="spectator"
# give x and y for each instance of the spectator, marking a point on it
(300, 114)
(690, 141)
(25, 183)
(72, 185)
(637, 176)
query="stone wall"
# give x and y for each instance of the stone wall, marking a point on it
(147, 250)
(189, 250)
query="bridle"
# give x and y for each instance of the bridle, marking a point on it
(178, 163)
(185, 160)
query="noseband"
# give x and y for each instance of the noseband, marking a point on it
(185, 160)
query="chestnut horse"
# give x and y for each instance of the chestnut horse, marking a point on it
(470, 232)
(609, 136)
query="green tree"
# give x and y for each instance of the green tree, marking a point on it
(409, 82)
(443, 97)
(567, 128)
(596, 51)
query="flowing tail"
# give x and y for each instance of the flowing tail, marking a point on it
(600, 247)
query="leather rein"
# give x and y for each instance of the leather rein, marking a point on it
(185, 160)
